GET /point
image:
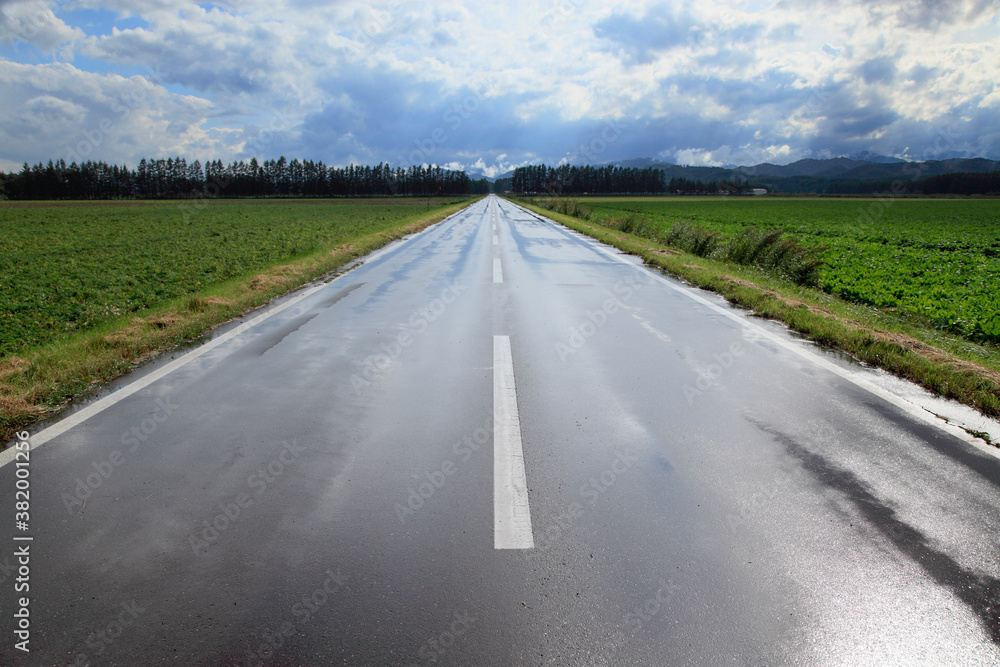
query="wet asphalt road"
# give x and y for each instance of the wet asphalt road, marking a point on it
(318, 489)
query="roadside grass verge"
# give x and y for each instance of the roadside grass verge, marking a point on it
(772, 250)
(36, 383)
(935, 260)
(944, 363)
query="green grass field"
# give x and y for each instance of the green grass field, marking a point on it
(66, 268)
(934, 259)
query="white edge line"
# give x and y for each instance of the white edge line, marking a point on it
(793, 346)
(98, 406)
(511, 512)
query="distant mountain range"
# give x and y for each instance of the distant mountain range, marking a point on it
(875, 168)
(810, 175)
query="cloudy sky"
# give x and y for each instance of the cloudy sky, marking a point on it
(493, 85)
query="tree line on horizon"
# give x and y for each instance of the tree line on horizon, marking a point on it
(613, 180)
(959, 183)
(573, 180)
(175, 178)
(609, 179)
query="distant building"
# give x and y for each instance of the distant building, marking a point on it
(758, 192)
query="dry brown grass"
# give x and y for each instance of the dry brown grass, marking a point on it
(13, 366)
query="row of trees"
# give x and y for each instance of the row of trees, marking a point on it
(573, 180)
(957, 183)
(176, 178)
(962, 184)
(570, 180)
(684, 186)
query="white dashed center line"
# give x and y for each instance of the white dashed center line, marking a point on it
(511, 514)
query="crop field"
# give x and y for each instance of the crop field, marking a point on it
(67, 267)
(937, 259)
